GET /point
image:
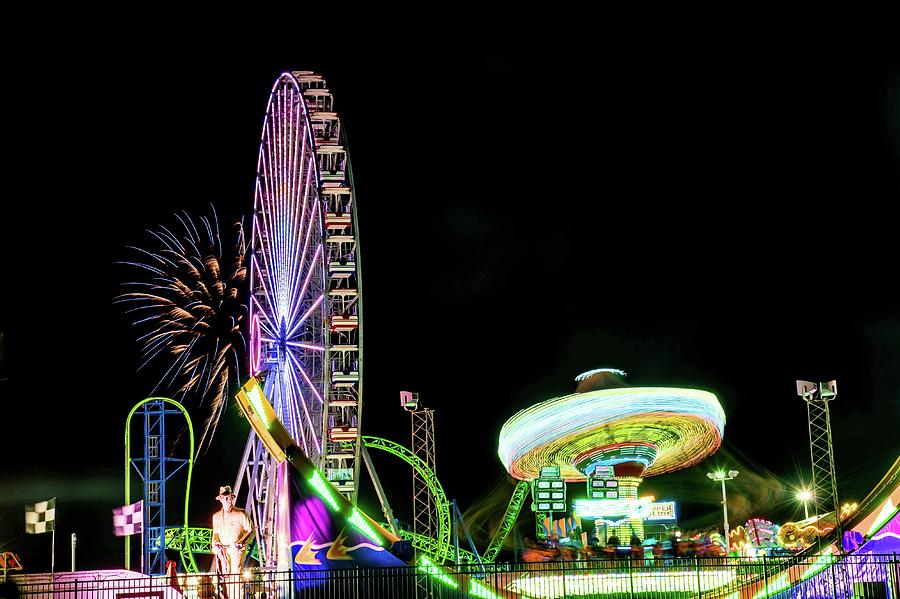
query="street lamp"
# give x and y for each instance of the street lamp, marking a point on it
(722, 476)
(805, 496)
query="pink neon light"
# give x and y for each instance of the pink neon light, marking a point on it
(255, 344)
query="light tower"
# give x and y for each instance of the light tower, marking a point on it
(720, 475)
(824, 483)
(425, 520)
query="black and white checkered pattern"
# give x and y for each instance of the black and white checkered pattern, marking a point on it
(128, 519)
(40, 517)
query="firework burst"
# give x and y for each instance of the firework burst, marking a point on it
(187, 305)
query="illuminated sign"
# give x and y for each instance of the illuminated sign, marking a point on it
(603, 472)
(612, 508)
(661, 510)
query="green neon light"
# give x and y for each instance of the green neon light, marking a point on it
(322, 487)
(438, 497)
(256, 399)
(357, 520)
(476, 589)
(686, 581)
(776, 586)
(427, 566)
(883, 516)
(823, 560)
(187, 489)
(509, 520)
(199, 540)
(432, 547)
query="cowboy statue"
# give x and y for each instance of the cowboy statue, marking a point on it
(231, 531)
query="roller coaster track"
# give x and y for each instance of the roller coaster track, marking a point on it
(438, 548)
(509, 520)
(199, 540)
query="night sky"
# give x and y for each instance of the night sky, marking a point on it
(717, 216)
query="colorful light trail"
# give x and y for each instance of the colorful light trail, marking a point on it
(682, 427)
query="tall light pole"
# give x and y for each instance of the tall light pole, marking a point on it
(804, 495)
(721, 475)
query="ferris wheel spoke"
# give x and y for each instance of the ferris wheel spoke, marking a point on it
(295, 139)
(270, 299)
(299, 220)
(303, 293)
(271, 211)
(303, 345)
(269, 325)
(305, 376)
(298, 426)
(262, 227)
(313, 213)
(302, 402)
(313, 433)
(306, 314)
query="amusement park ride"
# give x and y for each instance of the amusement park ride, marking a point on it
(610, 436)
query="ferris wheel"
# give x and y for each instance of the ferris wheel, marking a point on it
(305, 302)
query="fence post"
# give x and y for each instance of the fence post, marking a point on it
(833, 580)
(697, 567)
(631, 579)
(565, 593)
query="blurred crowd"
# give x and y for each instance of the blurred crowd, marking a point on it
(649, 550)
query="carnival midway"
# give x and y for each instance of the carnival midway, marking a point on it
(288, 522)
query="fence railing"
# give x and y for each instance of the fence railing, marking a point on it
(703, 578)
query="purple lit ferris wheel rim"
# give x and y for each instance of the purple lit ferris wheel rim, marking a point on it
(677, 427)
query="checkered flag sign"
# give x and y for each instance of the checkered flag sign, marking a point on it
(128, 519)
(40, 517)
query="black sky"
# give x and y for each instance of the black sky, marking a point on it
(711, 215)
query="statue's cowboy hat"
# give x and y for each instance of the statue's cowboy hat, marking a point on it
(225, 492)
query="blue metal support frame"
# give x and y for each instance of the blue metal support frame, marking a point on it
(155, 468)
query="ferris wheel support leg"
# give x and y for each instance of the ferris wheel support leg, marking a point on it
(385, 506)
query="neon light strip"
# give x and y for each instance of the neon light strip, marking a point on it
(303, 293)
(427, 566)
(357, 520)
(256, 399)
(309, 383)
(685, 581)
(323, 488)
(295, 389)
(476, 589)
(305, 345)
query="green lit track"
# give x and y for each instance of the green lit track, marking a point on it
(431, 547)
(438, 548)
(509, 520)
(199, 540)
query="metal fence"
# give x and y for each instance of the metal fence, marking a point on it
(869, 576)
